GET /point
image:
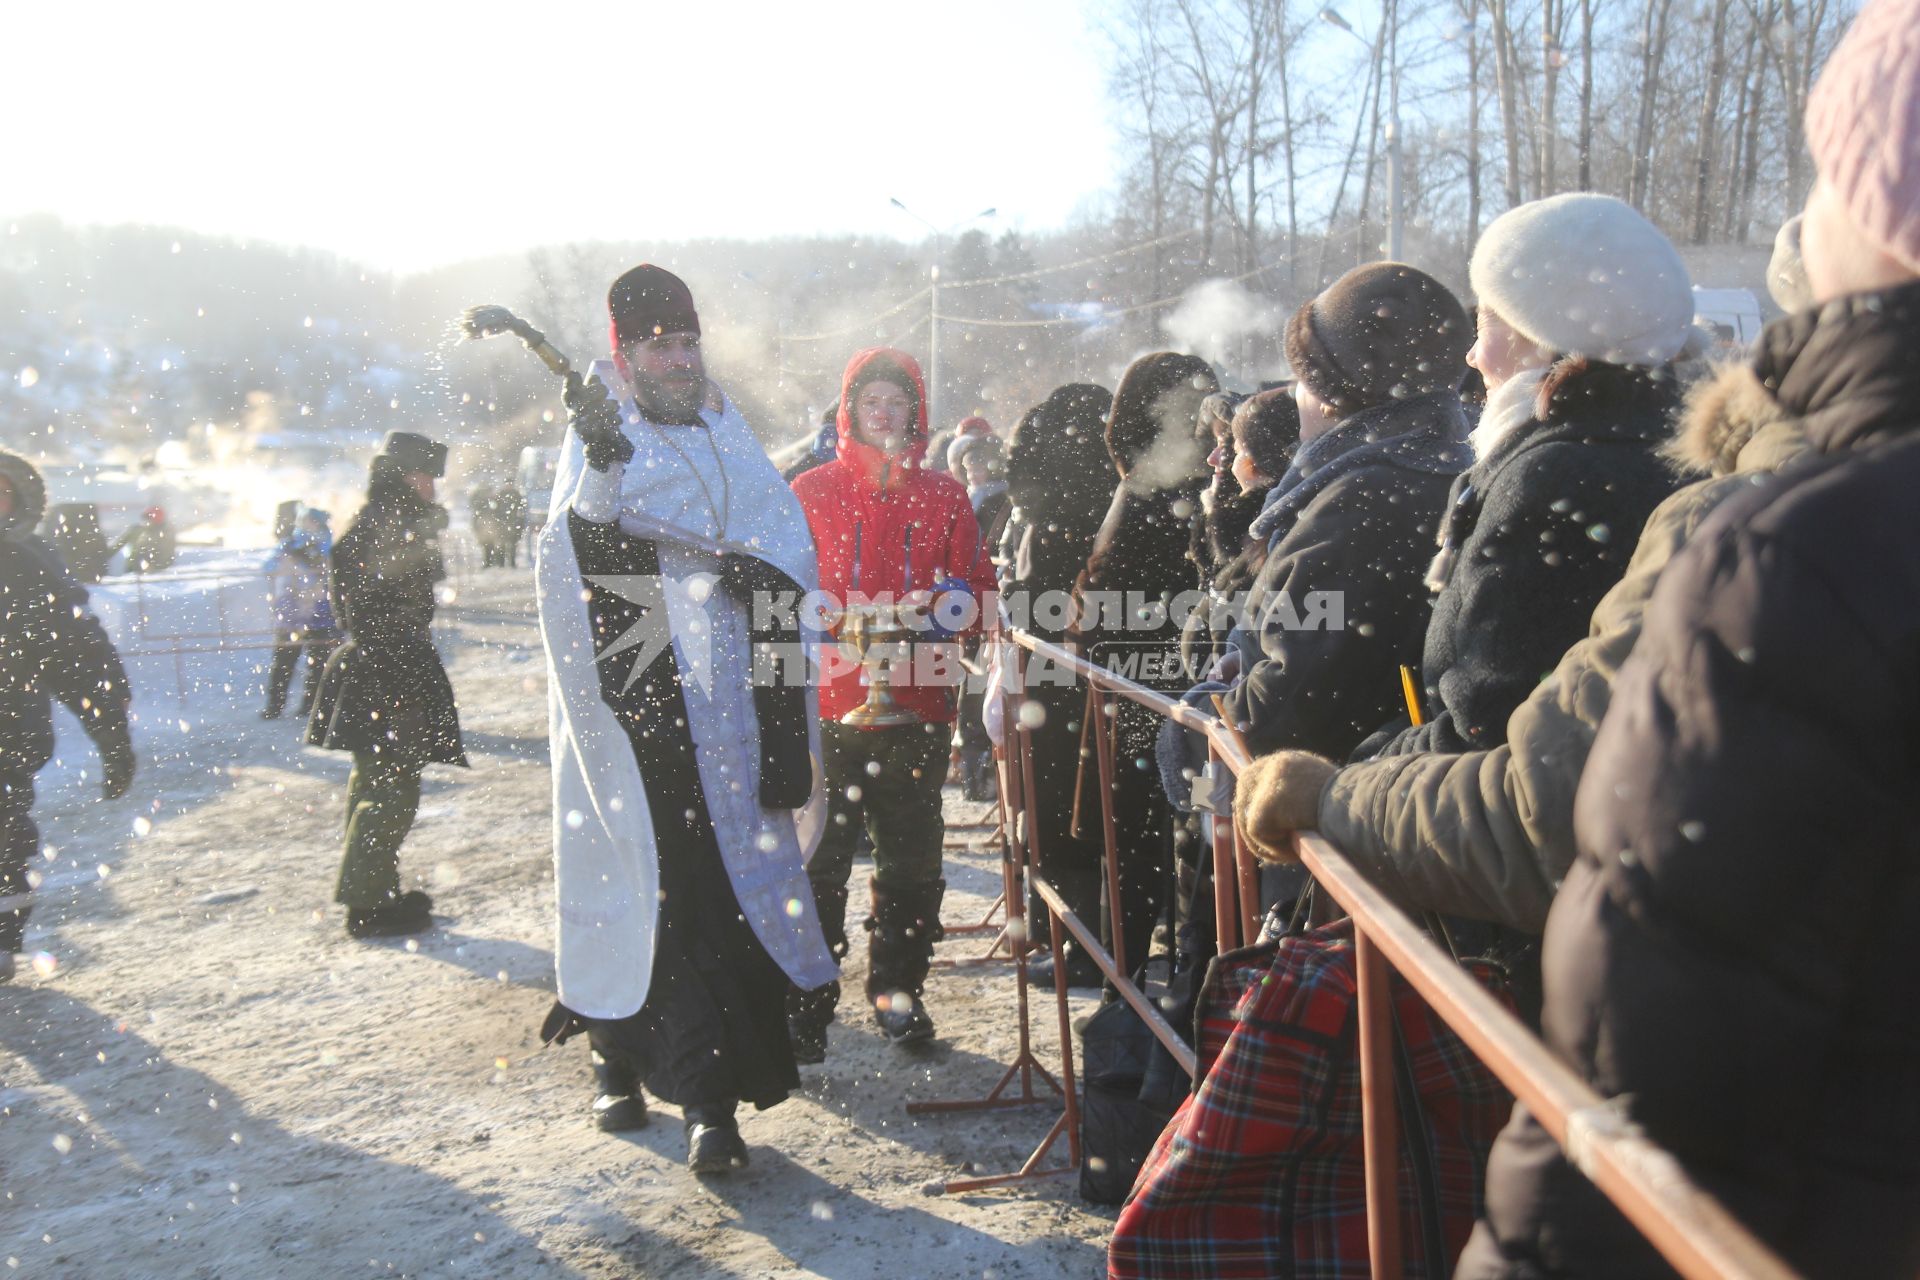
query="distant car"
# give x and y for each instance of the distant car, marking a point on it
(1732, 316)
(119, 498)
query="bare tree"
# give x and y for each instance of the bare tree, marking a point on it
(1469, 10)
(1234, 135)
(1282, 47)
(1653, 53)
(1709, 125)
(1553, 35)
(1506, 70)
(1588, 10)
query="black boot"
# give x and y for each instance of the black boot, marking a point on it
(411, 912)
(808, 1013)
(978, 780)
(617, 1104)
(714, 1144)
(1082, 972)
(905, 924)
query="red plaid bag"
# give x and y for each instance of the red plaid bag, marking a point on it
(1260, 1173)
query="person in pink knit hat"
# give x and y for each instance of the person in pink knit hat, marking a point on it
(1734, 958)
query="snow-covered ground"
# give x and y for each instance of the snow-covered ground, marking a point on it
(207, 1078)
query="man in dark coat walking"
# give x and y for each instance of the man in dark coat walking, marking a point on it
(1735, 956)
(384, 695)
(51, 647)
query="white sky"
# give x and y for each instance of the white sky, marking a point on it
(409, 135)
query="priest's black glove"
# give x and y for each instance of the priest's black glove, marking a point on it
(595, 418)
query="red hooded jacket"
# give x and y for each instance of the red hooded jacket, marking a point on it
(881, 497)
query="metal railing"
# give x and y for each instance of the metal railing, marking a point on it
(184, 614)
(1695, 1234)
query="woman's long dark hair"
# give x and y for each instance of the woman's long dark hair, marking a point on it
(1579, 381)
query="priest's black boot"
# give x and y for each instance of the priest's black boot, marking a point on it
(714, 1144)
(618, 1106)
(808, 1013)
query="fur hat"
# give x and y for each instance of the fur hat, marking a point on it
(1382, 332)
(1863, 126)
(966, 444)
(1155, 413)
(1057, 457)
(407, 452)
(647, 302)
(1586, 275)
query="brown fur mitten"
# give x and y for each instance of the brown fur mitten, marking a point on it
(1278, 795)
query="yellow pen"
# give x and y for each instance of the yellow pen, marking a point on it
(1412, 692)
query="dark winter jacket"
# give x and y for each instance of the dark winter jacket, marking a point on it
(385, 692)
(1536, 532)
(1736, 954)
(52, 646)
(1489, 834)
(1203, 639)
(1340, 605)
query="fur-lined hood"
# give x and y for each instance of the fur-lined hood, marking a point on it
(1731, 423)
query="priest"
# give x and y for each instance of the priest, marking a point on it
(685, 788)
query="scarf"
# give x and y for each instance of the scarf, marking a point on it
(1508, 410)
(1421, 434)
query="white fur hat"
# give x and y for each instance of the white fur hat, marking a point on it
(1586, 275)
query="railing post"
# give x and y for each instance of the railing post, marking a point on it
(1379, 1116)
(1035, 867)
(1227, 929)
(1105, 719)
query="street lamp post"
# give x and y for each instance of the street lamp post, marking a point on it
(1390, 32)
(933, 300)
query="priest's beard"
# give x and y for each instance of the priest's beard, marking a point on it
(672, 406)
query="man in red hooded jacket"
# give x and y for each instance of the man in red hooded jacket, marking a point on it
(886, 528)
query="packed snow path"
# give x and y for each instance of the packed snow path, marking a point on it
(208, 1078)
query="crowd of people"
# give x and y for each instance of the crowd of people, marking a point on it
(1595, 657)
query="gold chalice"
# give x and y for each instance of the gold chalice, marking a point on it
(876, 634)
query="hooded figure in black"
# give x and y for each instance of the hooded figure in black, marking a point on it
(1138, 586)
(384, 695)
(1060, 480)
(51, 647)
